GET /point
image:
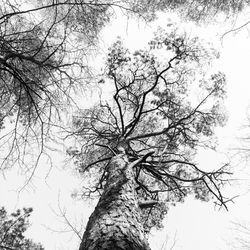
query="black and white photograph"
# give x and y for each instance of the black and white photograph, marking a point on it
(124, 125)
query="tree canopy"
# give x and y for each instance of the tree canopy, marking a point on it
(12, 230)
(198, 10)
(151, 118)
(43, 59)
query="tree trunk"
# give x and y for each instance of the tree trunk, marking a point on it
(115, 222)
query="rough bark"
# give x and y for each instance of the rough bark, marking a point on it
(115, 222)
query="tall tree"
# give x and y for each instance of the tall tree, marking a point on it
(43, 48)
(12, 229)
(140, 147)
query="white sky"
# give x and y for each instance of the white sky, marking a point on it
(195, 225)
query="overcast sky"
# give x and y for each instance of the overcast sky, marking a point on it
(193, 225)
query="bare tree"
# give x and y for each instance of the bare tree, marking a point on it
(140, 146)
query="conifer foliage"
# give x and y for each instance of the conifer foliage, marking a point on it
(12, 230)
(150, 131)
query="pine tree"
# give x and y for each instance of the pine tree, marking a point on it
(140, 146)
